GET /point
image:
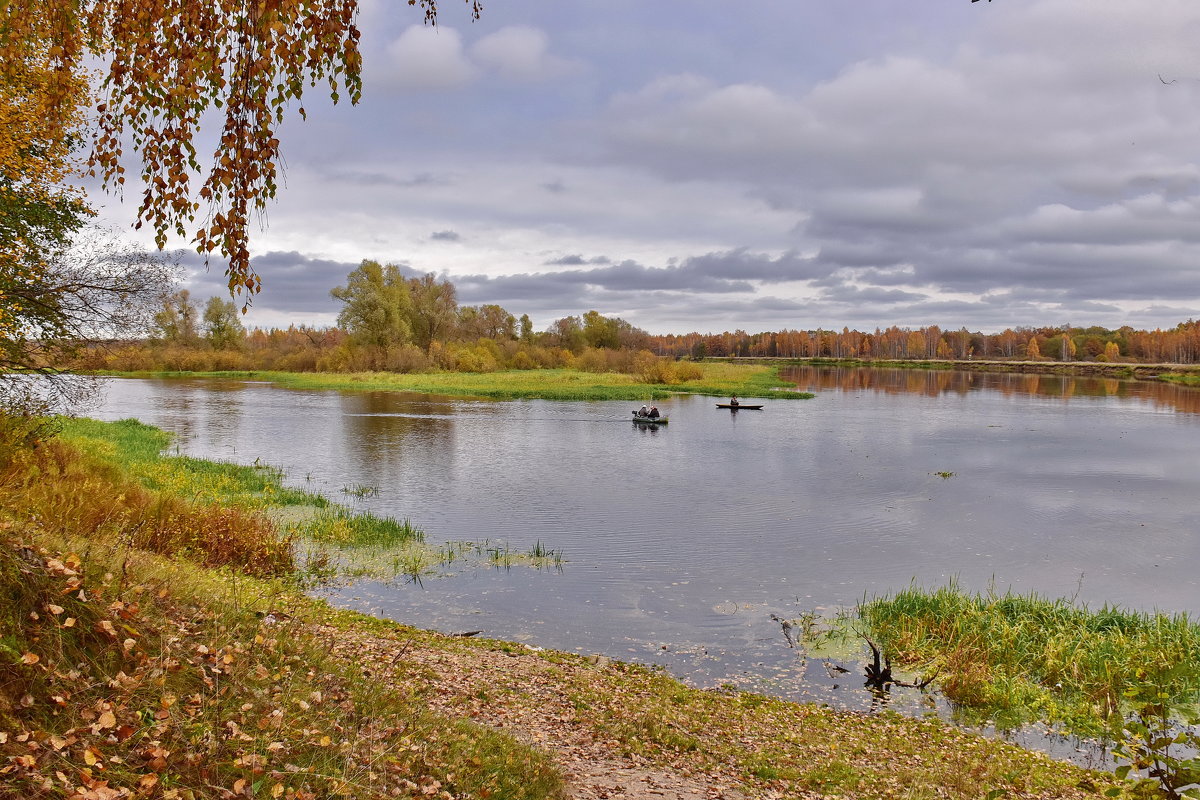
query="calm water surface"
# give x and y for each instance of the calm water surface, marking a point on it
(681, 540)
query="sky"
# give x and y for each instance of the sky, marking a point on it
(701, 165)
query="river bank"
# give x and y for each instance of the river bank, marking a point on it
(206, 682)
(716, 379)
(1184, 373)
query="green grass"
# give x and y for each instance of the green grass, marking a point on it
(718, 379)
(1189, 379)
(138, 450)
(1019, 658)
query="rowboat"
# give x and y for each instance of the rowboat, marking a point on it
(739, 407)
(639, 419)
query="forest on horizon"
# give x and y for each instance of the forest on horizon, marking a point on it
(390, 322)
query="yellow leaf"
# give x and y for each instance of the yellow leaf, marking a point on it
(107, 720)
(30, 658)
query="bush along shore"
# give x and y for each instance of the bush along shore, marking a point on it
(155, 641)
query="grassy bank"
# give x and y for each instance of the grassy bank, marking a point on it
(174, 674)
(717, 379)
(1183, 379)
(1015, 659)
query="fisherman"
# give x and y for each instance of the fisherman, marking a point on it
(654, 412)
(644, 411)
(733, 401)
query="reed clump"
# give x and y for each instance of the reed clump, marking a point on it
(1018, 658)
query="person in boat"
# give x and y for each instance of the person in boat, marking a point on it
(644, 412)
(733, 401)
(653, 413)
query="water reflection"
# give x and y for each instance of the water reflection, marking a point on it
(933, 383)
(404, 434)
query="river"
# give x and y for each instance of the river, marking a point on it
(681, 540)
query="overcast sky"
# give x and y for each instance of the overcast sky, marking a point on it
(707, 165)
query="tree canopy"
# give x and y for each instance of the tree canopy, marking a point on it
(167, 65)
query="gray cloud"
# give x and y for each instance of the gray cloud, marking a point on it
(294, 283)
(979, 165)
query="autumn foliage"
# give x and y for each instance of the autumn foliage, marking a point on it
(168, 66)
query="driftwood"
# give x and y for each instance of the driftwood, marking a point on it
(786, 624)
(879, 675)
(878, 672)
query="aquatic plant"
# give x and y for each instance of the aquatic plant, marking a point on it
(1032, 656)
(1132, 677)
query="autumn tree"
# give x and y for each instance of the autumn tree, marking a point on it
(176, 320)
(377, 305)
(93, 290)
(488, 321)
(40, 118)
(222, 325)
(433, 309)
(168, 65)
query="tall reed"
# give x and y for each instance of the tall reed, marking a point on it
(1023, 657)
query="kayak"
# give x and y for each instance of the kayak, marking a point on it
(638, 418)
(739, 407)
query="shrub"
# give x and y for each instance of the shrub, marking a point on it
(76, 496)
(650, 368)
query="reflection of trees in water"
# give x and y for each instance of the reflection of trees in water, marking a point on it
(183, 407)
(933, 383)
(222, 407)
(385, 431)
(209, 412)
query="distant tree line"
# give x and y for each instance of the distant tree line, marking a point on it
(388, 322)
(1180, 344)
(393, 322)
